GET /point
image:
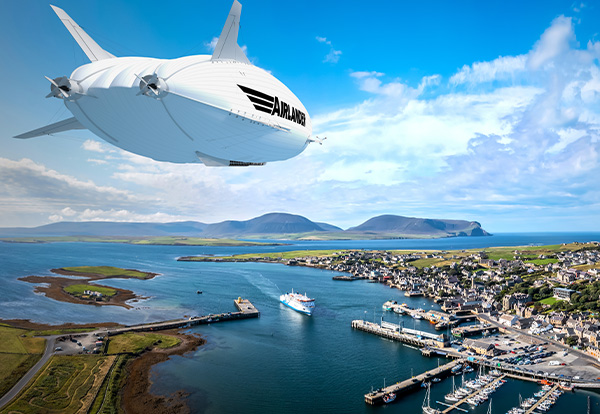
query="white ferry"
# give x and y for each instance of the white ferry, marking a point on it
(298, 302)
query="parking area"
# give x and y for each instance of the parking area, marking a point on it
(78, 343)
(541, 357)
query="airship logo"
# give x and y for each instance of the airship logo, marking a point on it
(274, 106)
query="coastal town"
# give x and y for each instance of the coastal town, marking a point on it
(552, 292)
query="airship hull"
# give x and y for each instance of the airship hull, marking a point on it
(202, 110)
(220, 110)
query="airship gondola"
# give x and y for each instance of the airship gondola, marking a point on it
(219, 109)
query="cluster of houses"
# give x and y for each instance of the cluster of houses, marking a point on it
(93, 294)
(461, 286)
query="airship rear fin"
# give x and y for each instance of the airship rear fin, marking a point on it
(64, 125)
(93, 51)
(227, 46)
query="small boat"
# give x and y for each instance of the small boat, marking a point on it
(389, 397)
(564, 386)
(198, 292)
(436, 379)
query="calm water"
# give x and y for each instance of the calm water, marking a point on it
(282, 362)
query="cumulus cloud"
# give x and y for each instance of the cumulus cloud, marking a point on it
(554, 42)
(334, 55)
(94, 146)
(210, 46)
(502, 68)
(522, 137)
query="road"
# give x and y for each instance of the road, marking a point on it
(50, 340)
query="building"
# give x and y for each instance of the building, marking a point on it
(511, 301)
(563, 294)
(480, 347)
(508, 320)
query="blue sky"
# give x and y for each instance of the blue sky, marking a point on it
(486, 111)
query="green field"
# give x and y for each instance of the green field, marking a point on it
(108, 271)
(61, 331)
(421, 263)
(548, 301)
(541, 262)
(18, 353)
(108, 399)
(78, 290)
(137, 342)
(276, 255)
(66, 384)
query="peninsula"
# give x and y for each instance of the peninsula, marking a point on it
(81, 290)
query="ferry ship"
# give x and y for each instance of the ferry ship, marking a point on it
(298, 302)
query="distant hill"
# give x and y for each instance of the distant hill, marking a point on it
(419, 226)
(273, 224)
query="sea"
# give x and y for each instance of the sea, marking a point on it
(282, 362)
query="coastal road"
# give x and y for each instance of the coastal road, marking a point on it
(50, 341)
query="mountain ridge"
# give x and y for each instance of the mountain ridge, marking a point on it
(277, 224)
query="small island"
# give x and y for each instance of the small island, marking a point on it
(82, 291)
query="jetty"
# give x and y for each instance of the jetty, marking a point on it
(376, 397)
(398, 333)
(471, 330)
(246, 310)
(541, 400)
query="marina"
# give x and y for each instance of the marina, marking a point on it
(261, 347)
(376, 397)
(473, 396)
(541, 400)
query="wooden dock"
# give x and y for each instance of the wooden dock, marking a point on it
(541, 400)
(376, 397)
(473, 394)
(246, 310)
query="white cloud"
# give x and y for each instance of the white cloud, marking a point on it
(334, 55)
(554, 41)
(210, 46)
(94, 146)
(97, 161)
(501, 68)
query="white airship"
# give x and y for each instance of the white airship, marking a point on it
(220, 110)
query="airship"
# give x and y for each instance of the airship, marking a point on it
(219, 109)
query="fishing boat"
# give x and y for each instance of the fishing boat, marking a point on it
(389, 397)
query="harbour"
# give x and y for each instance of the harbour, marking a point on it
(279, 339)
(411, 384)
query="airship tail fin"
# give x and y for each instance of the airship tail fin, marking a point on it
(93, 51)
(227, 47)
(64, 125)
